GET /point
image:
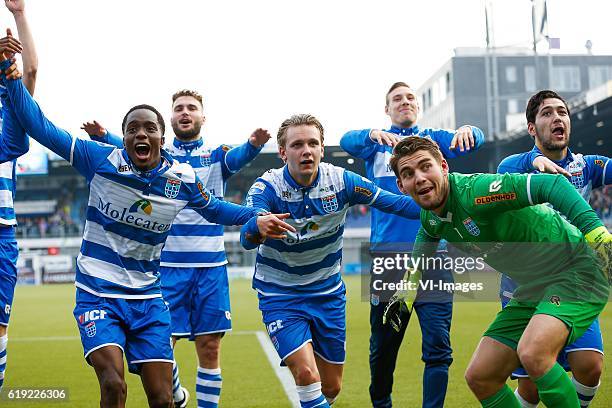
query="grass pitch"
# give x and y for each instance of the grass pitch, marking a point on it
(45, 352)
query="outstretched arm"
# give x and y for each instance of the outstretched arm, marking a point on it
(98, 133)
(529, 162)
(363, 191)
(29, 56)
(239, 156)
(363, 143)
(84, 155)
(457, 143)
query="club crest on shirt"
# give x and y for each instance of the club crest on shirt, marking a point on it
(471, 226)
(205, 160)
(330, 203)
(172, 188)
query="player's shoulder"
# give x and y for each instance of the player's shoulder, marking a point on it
(274, 178)
(332, 174)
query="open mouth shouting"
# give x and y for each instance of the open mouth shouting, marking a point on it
(142, 151)
(424, 191)
(185, 123)
(558, 132)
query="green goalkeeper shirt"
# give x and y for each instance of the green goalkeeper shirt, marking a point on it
(499, 217)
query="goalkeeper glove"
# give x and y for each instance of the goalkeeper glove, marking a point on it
(601, 241)
(400, 305)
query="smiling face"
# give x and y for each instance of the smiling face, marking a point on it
(551, 127)
(302, 151)
(402, 107)
(425, 179)
(187, 118)
(143, 138)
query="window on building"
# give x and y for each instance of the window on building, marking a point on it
(530, 78)
(442, 88)
(424, 101)
(448, 82)
(511, 73)
(512, 106)
(599, 74)
(566, 78)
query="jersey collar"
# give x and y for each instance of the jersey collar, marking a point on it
(164, 164)
(294, 185)
(188, 146)
(411, 131)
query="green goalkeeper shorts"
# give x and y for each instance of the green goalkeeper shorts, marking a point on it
(511, 321)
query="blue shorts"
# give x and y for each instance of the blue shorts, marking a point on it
(198, 299)
(292, 322)
(139, 327)
(591, 339)
(8, 277)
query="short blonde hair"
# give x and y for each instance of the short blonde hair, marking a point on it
(303, 119)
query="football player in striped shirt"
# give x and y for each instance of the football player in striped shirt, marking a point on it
(297, 279)
(193, 263)
(8, 156)
(135, 195)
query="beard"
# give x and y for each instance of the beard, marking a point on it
(551, 145)
(187, 134)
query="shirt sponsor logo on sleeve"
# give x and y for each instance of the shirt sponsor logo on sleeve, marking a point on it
(203, 191)
(362, 190)
(600, 163)
(494, 198)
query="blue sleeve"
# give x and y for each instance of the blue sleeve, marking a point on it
(600, 170)
(261, 195)
(218, 211)
(518, 163)
(362, 191)
(239, 156)
(357, 143)
(443, 139)
(109, 138)
(13, 140)
(84, 155)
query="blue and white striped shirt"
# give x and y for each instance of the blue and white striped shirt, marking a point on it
(193, 240)
(129, 213)
(307, 262)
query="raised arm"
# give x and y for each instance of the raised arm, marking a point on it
(464, 140)
(98, 133)
(239, 156)
(358, 143)
(84, 155)
(362, 191)
(13, 140)
(29, 56)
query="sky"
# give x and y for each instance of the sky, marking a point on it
(258, 62)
